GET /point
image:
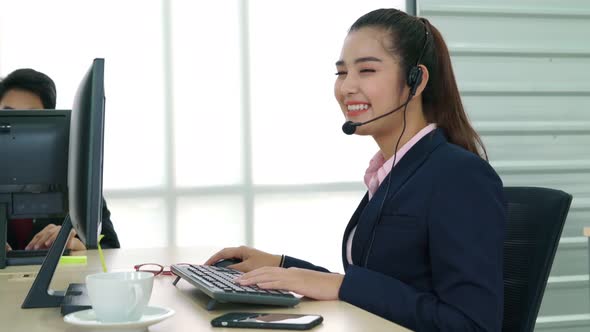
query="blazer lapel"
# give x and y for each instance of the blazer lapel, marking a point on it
(370, 214)
(351, 224)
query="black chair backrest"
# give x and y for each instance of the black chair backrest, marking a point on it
(535, 220)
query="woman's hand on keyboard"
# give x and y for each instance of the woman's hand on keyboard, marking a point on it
(251, 258)
(313, 284)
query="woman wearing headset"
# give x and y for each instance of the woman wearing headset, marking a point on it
(424, 247)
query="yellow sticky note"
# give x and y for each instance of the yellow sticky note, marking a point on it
(73, 260)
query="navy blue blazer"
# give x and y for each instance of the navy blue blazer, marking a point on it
(431, 259)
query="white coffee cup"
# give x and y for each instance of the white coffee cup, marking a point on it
(119, 296)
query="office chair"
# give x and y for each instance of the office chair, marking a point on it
(535, 220)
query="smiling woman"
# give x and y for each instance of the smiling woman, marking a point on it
(424, 246)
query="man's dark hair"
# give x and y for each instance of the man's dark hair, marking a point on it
(32, 81)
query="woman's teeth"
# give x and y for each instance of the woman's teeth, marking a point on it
(358, 107)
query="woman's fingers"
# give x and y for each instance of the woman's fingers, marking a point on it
(242, 267)
(224, 254)
(277, 284)
(263, 274)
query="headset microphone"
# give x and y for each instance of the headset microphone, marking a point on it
(349, 127)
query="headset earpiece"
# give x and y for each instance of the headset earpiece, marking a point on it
(414, 79)
(415, 73)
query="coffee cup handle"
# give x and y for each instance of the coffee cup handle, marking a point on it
(137, 296)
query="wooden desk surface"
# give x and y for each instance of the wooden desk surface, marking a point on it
(187, 301)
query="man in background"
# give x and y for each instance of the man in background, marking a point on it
(30, 89)
(27, 89)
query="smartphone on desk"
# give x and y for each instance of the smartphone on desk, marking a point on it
(267, 321)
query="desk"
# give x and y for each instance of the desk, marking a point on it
(187, 301)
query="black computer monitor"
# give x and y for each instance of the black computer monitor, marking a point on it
(86, 155)
(33, 168)
(85, 192)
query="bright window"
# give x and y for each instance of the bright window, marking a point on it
(221, 128)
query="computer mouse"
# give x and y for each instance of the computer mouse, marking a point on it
(227, 262)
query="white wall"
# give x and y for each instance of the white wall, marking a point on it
(522, 69)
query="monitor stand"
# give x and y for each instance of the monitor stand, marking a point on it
(41, 296)
(75, 299)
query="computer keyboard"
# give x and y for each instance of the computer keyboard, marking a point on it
(28, 257)
(31, 253)
(217, 283)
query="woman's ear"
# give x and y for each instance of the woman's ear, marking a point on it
(423, 81)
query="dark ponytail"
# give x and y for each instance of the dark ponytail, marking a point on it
(441, 100)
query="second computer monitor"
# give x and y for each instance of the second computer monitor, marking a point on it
(33, 161)
(33, 170)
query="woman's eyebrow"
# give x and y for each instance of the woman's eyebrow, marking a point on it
(359, 60)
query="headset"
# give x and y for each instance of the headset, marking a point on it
(413, 80)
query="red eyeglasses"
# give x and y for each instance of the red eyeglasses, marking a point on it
(155, 268)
